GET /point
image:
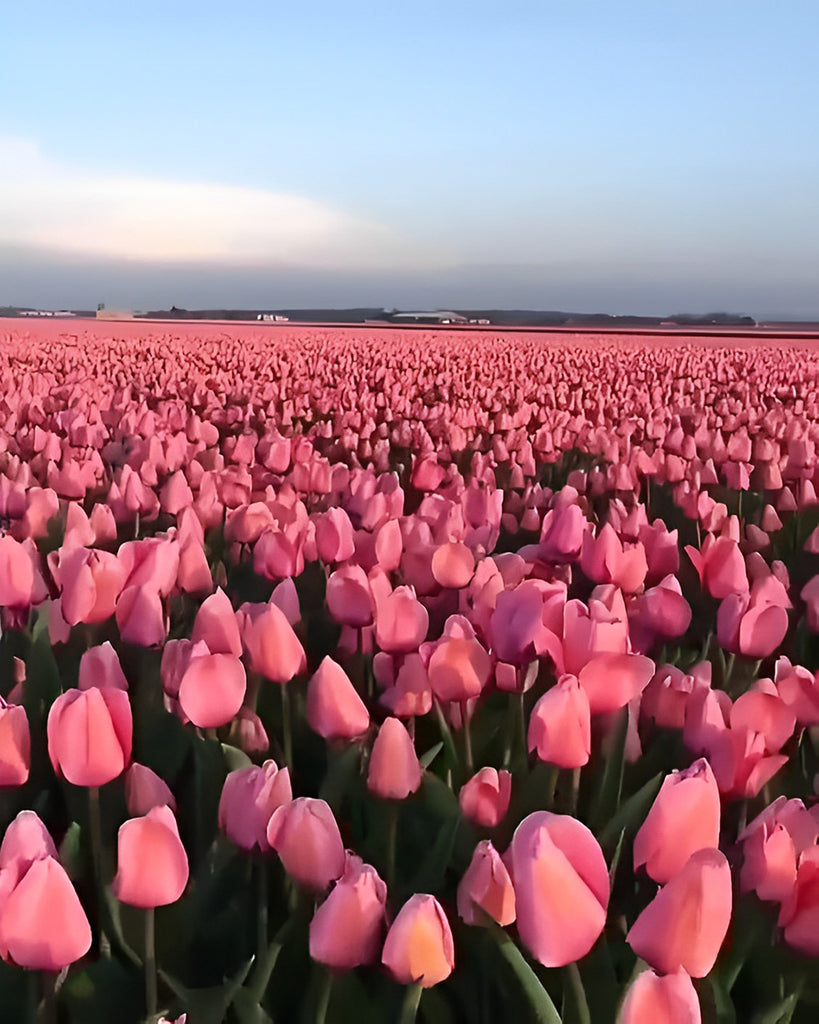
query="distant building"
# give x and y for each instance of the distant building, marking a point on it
(438, 316)
(115, 314)
(273, 317)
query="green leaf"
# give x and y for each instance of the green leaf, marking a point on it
(544, 1010)
(430, 875)
(208, 1005)
(632, 813)
(782, 1012)
(248, 1011)
(607, 800)
(575, 1003)
(235, 758)
(427, 758)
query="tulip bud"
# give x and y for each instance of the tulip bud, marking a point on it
(561, 887)
(560, 725)
(152, 866)
(334, 709)
(43, 926)
(684, 818)
(419, 946)
(394, 770)
(662, 999)
(249, 798)
(15, 745)
(305, 835)
(484, 799)
(347, 928)
(686, 922)
(89, 735)
(486, 884)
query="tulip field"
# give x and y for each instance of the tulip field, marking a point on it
(380, 675)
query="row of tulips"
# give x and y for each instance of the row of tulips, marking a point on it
(446, 702)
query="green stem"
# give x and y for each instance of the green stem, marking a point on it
(266, 962)
(409, 1008)
(551, 786)
(470, 763)
(150, 962)
(510, 731)
(729, 669)
(261, 906)
(323, 1000)
(288, 737)
(33, 994)
(95, 831)
(575, 791)
(392, 842)
(521, 708)
(48, 1007)
(583, 1016)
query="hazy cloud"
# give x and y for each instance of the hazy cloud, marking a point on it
(62, 209)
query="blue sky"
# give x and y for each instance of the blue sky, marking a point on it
(628, 156)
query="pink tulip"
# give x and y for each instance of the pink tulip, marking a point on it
(334, 709)
(249, 798)
(141, 617)
(394, 771)
(401, 623)
(15, 745)
(800, 910)
(486, 885)
(152, 866)
(348, 596)
(305, 835)
(560, 725)
(26, 840)
(273, 648)
(484, 799)
(144, 789)
(347, 929)
(459, 668)
(685, 924)
(43, 926)
(90, 582)
(215, 624)
(419, 946)
(89, 735)
(100, 666)
(561, 887)
(212, 689)
(453, 565)
(684, 818)
(661, 999)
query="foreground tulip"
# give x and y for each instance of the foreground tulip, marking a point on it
(26, 840)
(274, 649)
(15, 745)
(655, 999)
(561, 887)
(334, 709)
(560, 725)
(152, 866)
(305, 835)
(394, 770)
(89, 735)
(144, 789)
(484, 799)
(249, 798)
(684, 818)
(419, 946)
(347, 929)
(212, 689)
(685, 924)
(799, 915)
(43, 926)
(487, 885)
